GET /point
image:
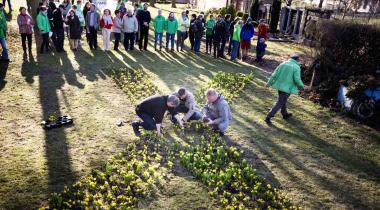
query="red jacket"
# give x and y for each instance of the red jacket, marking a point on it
(104, 25)
(263, 31)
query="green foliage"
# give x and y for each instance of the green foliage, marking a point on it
(347, 53)
(229, 84)
(136, 84)
(239, 14)
(229, 177)
(138, 172)
(228, 10)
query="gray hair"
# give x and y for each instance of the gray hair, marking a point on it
(174, 100)
(211, 92)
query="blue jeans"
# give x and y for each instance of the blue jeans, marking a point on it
(148, 122)
(197, 44)
(171, 38)
(129, 40)
(180, 39)
(4, 54)
(157, 38)
(183, 109)
(235, 49)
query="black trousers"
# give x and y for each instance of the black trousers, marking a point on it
(60, 33)
(216, 48)
(45, 42)
(143, 40)
(93, 38)
(208, 43)
(24, 37)
(192, 40)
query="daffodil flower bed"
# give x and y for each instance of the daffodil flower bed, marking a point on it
(125, 178)
(230, 178)
(229, 84)
(135, 83)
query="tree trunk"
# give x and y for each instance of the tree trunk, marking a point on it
(33, 7)
(320, 3)
(254, 11)
(152, 2)
(275, 16)
(174, 4)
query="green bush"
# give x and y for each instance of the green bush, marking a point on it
(239, 14)
(228, 10)
(346, 53)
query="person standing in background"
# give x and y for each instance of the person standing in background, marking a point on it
(58, 27)
(144, 18)
(183, 25)
(3, 34)
(191, 30)
(25, 24)
(171, 27)
(117, 29)
(198, 33)
(246, 35)
(159, 23)
(44, 27)
(106, 23)
(209, 33)
(226, 37)
(236, 40)
(73, 22)
(130, 27)
(219, 34)
(92, 26)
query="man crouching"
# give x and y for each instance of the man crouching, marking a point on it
(152, 111)
(216, 112)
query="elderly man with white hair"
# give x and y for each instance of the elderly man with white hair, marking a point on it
(216, 112)
(152, 111)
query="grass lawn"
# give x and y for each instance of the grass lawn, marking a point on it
(318, 159)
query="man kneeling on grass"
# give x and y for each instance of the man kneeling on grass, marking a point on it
(187, 105)
(152, 111)
(217, 112)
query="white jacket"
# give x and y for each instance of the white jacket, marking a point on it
(130, 24)
(183, 24)
(117, 25)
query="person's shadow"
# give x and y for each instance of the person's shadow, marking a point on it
(3, 73)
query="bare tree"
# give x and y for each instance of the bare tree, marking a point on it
(174, 4)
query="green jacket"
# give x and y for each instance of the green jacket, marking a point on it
(3, 25)
(287, 77)
(159, 24)
(171, 26)
(43, 23)
(237, 32)
(210, 26)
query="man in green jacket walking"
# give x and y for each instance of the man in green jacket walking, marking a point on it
(287, 80)
(159, 23)
(3, 33)
(44, 27)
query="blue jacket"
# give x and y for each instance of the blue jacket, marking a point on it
(247, 32)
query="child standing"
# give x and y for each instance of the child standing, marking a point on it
(260, 50)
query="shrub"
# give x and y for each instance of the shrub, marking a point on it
(228, 10)
(346, 53)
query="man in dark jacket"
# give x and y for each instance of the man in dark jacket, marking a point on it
(231, 31)
(219, 34)
(227, 24)
(58, 28)
(198, 29)
(152, 111)
(144, 18)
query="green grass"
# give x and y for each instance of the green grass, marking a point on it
(320, 160)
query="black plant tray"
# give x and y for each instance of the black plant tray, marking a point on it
(59, 122)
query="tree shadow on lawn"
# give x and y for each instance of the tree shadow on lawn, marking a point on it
(274, 143)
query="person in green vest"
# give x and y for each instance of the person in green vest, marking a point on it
(236, 40)
(209, 33)
(3, 34)
(287, 80)
(159, 23)
(44, 27)
(171, 27)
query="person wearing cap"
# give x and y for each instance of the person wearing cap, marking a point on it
(92, 26)
(44, 27)
(3, 33)
(216, 113)
(287, 80)
(25, 24)
(187, 105)
(152, 111)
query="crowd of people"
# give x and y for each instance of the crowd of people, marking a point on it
(130, 25)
